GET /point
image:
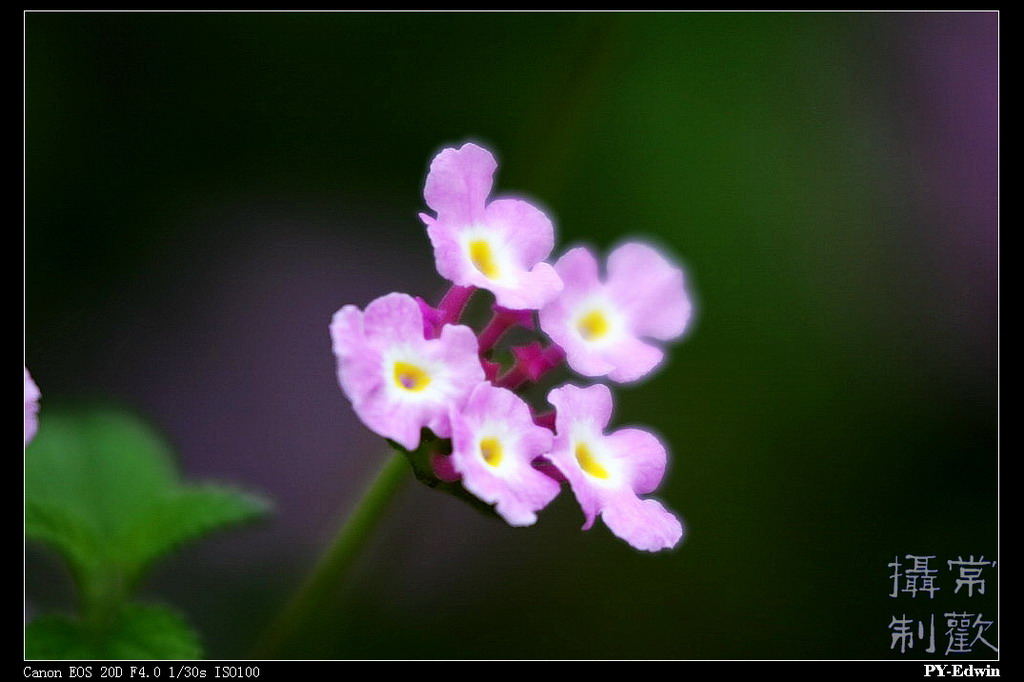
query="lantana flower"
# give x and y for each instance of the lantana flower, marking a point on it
(603, 326)
(499, 246)
(399, 381)
(408, 365)
(608, 472)
(494, 441)
(31, 407)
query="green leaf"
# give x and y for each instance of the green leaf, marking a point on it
(57, 637)
(187, 513)
(75, 540)
(102, 489)
(140, 632)
(102, 467)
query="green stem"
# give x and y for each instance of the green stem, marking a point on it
(102, 596)
(336, 561)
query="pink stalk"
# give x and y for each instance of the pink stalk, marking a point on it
(503, 320)
(543, 465)
(454, 303)
(532, 362)
(545, 419)
(491, 369)
(431, 319)
(514, 378)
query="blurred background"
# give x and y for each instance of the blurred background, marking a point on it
(204, 190)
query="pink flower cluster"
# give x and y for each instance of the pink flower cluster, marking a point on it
(407, 366)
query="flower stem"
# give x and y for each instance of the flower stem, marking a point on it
(453, 303)
(503, 320)
(532, 362)
(333, 566)
(493, 332)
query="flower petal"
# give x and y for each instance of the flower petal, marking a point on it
(607, 472)
(374, 346)
(593, 403)
(578, 269)
(643, 456)
(499, 246)
(393, 318)
(31, 407)
(459, 183)
(502, 475)
(645, 524)
(651, 289)
(587, 497)
(632, 359)
(603, 327)
(449, 254)
(528, 231)
(527, 290)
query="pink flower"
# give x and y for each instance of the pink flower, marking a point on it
(608, 472)
(494, 440)
(398, 381)
(498, 246)
(602, 325)
(31, 407)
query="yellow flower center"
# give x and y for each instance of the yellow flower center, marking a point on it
(482, 257)
(490, 449)
(410, 377)
(593, 325)
(588, 462)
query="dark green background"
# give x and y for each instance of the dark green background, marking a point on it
(203, 190)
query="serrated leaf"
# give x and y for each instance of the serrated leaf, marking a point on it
(183, 515)
(101, 488)
(67, 534)
(141, 632)
(102, 467)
